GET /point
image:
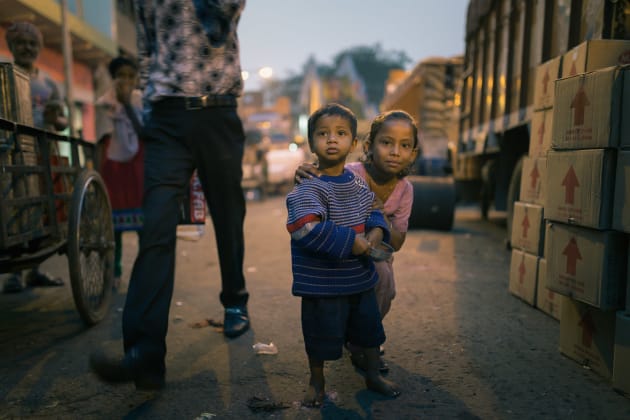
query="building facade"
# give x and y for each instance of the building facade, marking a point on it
(98, 30)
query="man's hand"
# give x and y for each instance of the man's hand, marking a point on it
(54, 116)
(306, 171)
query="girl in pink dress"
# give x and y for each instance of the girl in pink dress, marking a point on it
(389, 152)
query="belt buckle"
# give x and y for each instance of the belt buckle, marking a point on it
(195, 102)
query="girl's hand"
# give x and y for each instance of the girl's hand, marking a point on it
(123, 90)
(377, 204)
(306, 171)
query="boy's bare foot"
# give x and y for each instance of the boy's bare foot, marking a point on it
(382, 386)
(314, 396)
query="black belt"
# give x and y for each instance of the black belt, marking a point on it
(197, 102)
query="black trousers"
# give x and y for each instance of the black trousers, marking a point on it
(177, 141)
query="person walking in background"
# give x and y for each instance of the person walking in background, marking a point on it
(190, 75)
(389, 152)
(122, 156)
(25, 41)
(335, 230)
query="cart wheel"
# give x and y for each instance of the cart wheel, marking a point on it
(91, 247)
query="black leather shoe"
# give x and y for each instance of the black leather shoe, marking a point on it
(236, 321)
(130, 368)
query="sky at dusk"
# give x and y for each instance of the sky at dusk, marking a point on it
(283, 34)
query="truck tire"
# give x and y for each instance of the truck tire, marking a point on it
(433, 202)
(514, 192)
(488, 180)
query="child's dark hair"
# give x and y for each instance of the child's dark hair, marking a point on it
(119, 62)
(331, 109)
(378, 123)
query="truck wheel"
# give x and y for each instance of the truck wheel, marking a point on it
(487, 187)
(433, 202)
(514, 192)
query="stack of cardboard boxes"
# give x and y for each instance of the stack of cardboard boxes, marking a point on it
(586, 206)
(528, 266)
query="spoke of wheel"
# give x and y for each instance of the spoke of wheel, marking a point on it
(94, 244)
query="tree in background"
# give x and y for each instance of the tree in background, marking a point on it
(374, 64)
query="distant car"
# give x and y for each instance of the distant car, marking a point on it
(283, 156)
(254, 178)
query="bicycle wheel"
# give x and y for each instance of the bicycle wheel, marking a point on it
(90, 247)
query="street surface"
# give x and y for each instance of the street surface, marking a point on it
(459, 344)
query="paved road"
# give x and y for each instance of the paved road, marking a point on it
(458, 343)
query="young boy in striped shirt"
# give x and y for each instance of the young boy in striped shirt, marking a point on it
(334, 231)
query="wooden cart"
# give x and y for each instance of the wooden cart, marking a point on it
(52, 204)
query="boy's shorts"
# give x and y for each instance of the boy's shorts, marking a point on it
(329, 322)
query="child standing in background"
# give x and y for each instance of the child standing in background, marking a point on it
(333, 227)
(121, 163)
(390, 150)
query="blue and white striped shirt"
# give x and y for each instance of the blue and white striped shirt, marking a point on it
(324, 216)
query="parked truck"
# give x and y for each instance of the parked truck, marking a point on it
(506, 42)
(428, 93)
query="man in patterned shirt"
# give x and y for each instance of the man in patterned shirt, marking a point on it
(191, 76)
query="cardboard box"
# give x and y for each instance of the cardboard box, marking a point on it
(546, 75)
(588, 110)
(528, 229)
(621, 206)
(587, 265)
(547, 300)
(587, 335)
(621, 358)
(540, 136)
(580, 187)
(523, 273)
(534, 180)
(595, 54)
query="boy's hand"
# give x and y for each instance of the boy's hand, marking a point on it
(361, 245)
(306, 171)
(375, 236)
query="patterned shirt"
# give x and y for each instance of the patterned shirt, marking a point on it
(324, 216)
(189, 47)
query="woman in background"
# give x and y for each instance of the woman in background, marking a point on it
(121, 162)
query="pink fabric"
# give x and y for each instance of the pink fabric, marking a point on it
(397, 208)
(399, 202)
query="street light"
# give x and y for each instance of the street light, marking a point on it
(262, 82)
(264, 74)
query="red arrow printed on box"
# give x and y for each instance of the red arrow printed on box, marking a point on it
(545, 81)
(534, 175)
(572, 252)
(570, 183)
(525, 225)
(579, 103)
